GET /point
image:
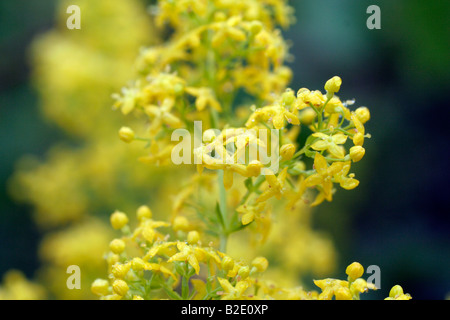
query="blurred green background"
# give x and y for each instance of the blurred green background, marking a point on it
(398, 218)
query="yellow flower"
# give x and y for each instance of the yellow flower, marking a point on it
(162, 86)
(344, 179)
(159, 268)
(233, 292)
(323, 176)
(205, 97)
(360, 286)
(330, 287)
(189, 254)
(160, 248)
(357, 123)
(129, 99)
(296, 195)
(305, 98)
(159, 154)
(230, 160)
(334, 106)
(137, 264)
(276, 186)
(330, 143)
(343, 294)
(358, 139)
(227, 30)
(161, 115)
(250, 213)
(147, 229)
(276, 113)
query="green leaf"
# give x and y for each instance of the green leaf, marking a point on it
(219, 215)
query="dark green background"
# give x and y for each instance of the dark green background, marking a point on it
(398, 218)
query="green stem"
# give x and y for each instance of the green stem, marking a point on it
(185, 287)
(223, 242)
(223, 212)
(319, 116)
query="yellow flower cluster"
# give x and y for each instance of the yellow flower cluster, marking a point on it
(216, 52)
(158, 260)
(345, 290)
(77, 180)
(194, 76)
(221, 62)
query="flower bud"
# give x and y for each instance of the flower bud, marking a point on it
(396, 291)
(363, 114)
(120, 287)
(193, 237)
(143, 212)
(120, 270)
(118, 220)
(333, 85)
(117, 246)
(126, 134)
(180, 223)
(255, 27)
(354, 270)
(254, 168)
(244, 272)
(260, 263)
(227, 263)
(357, 153)
(287, 151)
(100, 287)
